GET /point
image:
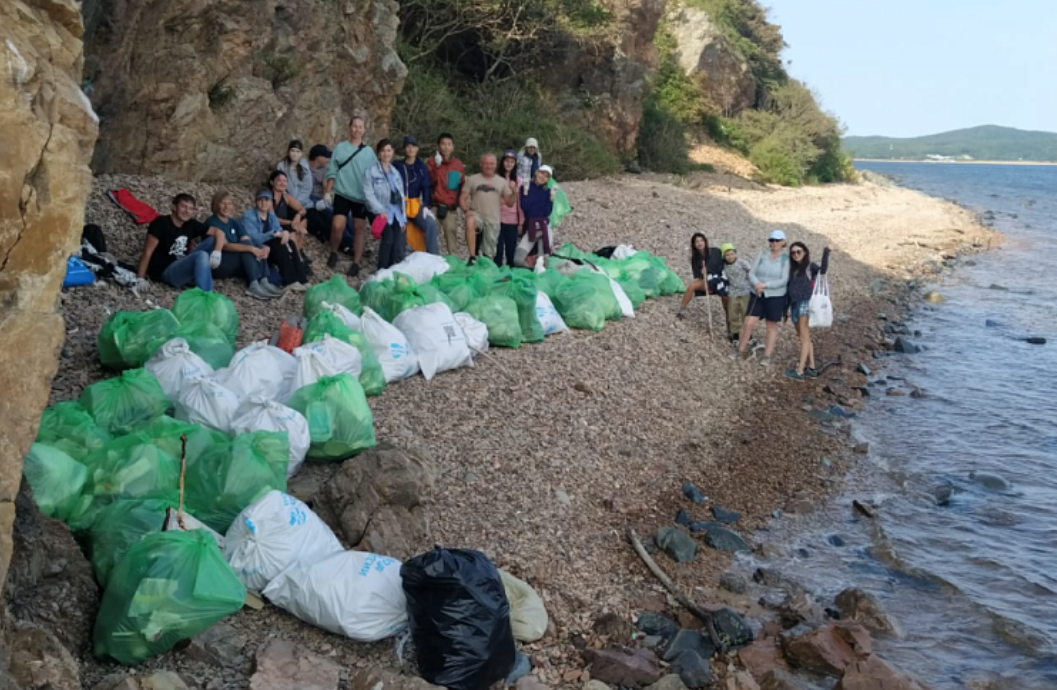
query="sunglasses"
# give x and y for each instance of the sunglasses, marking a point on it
(773, 241)
(796, 252)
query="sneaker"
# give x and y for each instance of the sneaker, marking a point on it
(794, 374)
(257, 292)
(471, 261)
(735, 355)
(354, 270)
(681, 314)
(765, 362)
(332, 260)
(268, 287)
(296, 287)
(811, 373)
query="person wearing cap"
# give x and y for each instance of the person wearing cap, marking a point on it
(537, 203)
(343, 191)
(706, 265)
(510, 218)
(318, 160)
(261, 227)
(769, 275)
(384, 189)
(417, 194)
(739, 288)
(297, 171)
(482, 196)
(167, 255)
(446, 176)
(529, 160)
(239, 256)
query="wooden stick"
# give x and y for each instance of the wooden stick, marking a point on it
(702, 613)
(183, 473)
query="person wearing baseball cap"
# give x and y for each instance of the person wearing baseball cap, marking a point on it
(261, 227)
(769, 275)
(415, 176)
(529, 160)
(739, 289)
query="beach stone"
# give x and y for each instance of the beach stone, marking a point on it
(895, 392)
(863, 369)
(282, 665)
(934, 297)
(835, 540)
(733, 583)
(863, 607)
(679, 546)
(905, 347)
(687, 641)
(693, 493)
(800, 506)
(798, 607)
(162, 680)
(742, 680)
(378, 678)
(683, 518)
(864, 509)
(1035, 340)
(727, 517)
(669, 682)
(219, 645)
(595, 685)
(39, 660)
(731, 628)
(694, 670)
(630, 668)
(872, 673)
(827, 650)
(991, 482)
(838, 411)
(657, 624)
(942, 494)
(762, 656)
(780, 679)
(612, 625)
(719, 537)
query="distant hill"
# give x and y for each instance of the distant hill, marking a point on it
(988, 142)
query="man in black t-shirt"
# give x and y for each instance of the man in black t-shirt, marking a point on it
(167, 254)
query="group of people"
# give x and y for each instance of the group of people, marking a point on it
(777, 284)
(507, 204)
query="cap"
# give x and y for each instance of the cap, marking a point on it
(318, 151)
(295, 144)
(547, 169)
(728, 247)
(531, 142)
(410, 140)
(777, 235)
(510, 153)
(264, 194)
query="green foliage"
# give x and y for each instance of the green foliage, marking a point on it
(744, 23)
(490, 116)
(662, 143)
(988, 142)
(282, 68)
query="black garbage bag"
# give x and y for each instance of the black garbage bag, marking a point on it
(460, 618)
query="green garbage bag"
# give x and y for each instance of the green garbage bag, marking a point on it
(68, 427)
(561, 207)
(119, 403)
(339, 418)
(500, 315)
(169, 587)
(460, 286)
(548, 282)
(577, 302)
(404, 293)
(230, 476)
(165, 431)
(208, 342)
(633, 291)
(523, 292)
(485, 267)
(372, 378)
(571, 251)
(670, 282)
(120, 525)
(375, 294)
(128, 338)
(198, 306)
(57, 481)
(335, 291)
(604, 293)
(640, 269)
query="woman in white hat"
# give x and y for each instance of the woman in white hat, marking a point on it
(770, 278)
(529, 160)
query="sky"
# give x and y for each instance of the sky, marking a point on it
(907, 68)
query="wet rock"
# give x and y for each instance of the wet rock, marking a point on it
(687, 641)
(727, 517)
(835, 540)
(838, 411)
(863, 607)
(683, 518)
(895, 392)
(676, 543)
(798, 608)
(942, 495)
(693, 493)
(668, 682)
(657, 624)
(780, 679)
(762, 656)
(863, 391)
(864, 509)
(630, 668)
(1035, 340)
(282, 665)
(39, 660)
(733, 583)
(991, 482)
(934, 297)
(694, 670)
(731, 628)
(917, 393)
(522, 667)
(820, 415)
(800, 506)
(991, 323)
(861, 448)
(720, 538)
(905, 347)
(827, 650)
(863, 369)
(996, 286)
(872, 673)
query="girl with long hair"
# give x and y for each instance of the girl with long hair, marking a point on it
(802, 276)
(706, 263)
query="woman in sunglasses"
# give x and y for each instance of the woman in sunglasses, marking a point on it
(770, 277)
(802, 275)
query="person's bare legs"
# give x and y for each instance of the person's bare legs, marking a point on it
(805, 345)
(697, 284)
(471, 234)
(772, 339)
(746, 332)
(337, 229)
(359, 239)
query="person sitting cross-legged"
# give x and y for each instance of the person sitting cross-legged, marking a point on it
(167, 253)
(239, 257)
(263, 230)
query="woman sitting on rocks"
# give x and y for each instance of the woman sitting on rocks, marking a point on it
(291, 214)
(706, 263)
(239, 257)
(802, 275)
(263, 230)
(770, 277)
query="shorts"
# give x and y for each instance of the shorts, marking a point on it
(768, 308)
(800, 310)
(736, 308)
(343, 206)
(717, 285)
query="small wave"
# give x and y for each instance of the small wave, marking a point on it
(1021, 636)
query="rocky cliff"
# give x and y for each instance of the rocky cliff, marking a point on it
(213, 90)
(49, 130)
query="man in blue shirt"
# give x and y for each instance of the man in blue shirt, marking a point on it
(417, 192)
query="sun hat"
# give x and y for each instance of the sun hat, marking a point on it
(777, 235)
(728, 247)
(264, 194)
(319, 150)
(532, 143)
(547, 169)
(295, 144)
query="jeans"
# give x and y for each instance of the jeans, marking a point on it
(240, 264)
(430, 229)
(507, 244)
(193, 268)
(391, 247)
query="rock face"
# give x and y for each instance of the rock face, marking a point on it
(49, 130)
(214, 90)
(378, 501)
(706, 55)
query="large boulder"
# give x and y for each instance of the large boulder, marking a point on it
(213, 90)
(828, 650)
(872, 673)
(379, 500)
(863, 607)
(49, 130)
(707, 56)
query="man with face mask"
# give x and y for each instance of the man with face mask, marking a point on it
(481, 196)
(343, 190)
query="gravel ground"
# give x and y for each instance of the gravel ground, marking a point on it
(545, 454)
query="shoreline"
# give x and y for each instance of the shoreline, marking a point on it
(981, 162)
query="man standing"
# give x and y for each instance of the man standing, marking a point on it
(167, 255)
(446, 177)
(416, 179)
(481, 196)
(343, 189)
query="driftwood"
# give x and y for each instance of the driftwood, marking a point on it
(702, 613)
(183, 473)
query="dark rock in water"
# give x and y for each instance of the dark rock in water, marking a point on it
(838, 411)
(832, 613)
(733, 583)
(918, 394)
(943, 494)
(731, 628)
(720, 538)
(803, 553)
(522, 667)
(687, 641)
(693, 493)
(835, 540)
(676, 543)
(917, 334)
(1035, 340)
(996, 286)
(657, 624)
(991, 323)
(864, 509)
(905, 347)
(694, 670)
(727, 517)
(991, 482)
(863, 369)
(683, 518)
(863, 607)
(861, 448)
(880, 355)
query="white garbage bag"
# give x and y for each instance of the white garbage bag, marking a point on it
(627, 309)
(353, 593)
(259, 369)
(475, 332)
(312, 365)
(389, 344)
(820, 308)
(261, 414)
(172, 522)
(341, 357)
(419, 266)
(343, 313)
(548, 315)
(206, 401)
(273, 534)
(528, 618)
(173, 364)
(435, 338)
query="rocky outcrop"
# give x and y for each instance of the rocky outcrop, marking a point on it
(706, 55)
(213, 90)
(48, 132)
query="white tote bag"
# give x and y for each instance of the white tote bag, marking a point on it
(820, 308)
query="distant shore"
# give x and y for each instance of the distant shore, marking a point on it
(897, 160)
